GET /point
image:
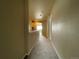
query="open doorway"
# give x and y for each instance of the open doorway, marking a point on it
(39, 26)
(36, 25)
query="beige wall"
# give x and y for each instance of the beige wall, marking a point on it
(32, 39)
(26, 26)
(65, 28)
(11, 29)
(45, 28)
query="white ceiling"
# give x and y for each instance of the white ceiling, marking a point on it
(38, 9)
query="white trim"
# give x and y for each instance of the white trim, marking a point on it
(56, 50)
(28, 53)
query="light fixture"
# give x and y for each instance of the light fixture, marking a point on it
(39, 15)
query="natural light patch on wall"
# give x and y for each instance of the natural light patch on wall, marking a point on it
(56, 27)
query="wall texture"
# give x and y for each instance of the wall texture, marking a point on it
(65, 28)
(11, 29)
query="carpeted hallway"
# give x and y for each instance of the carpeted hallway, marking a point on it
(42, 50)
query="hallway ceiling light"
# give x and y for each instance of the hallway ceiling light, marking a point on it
(39, 15)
